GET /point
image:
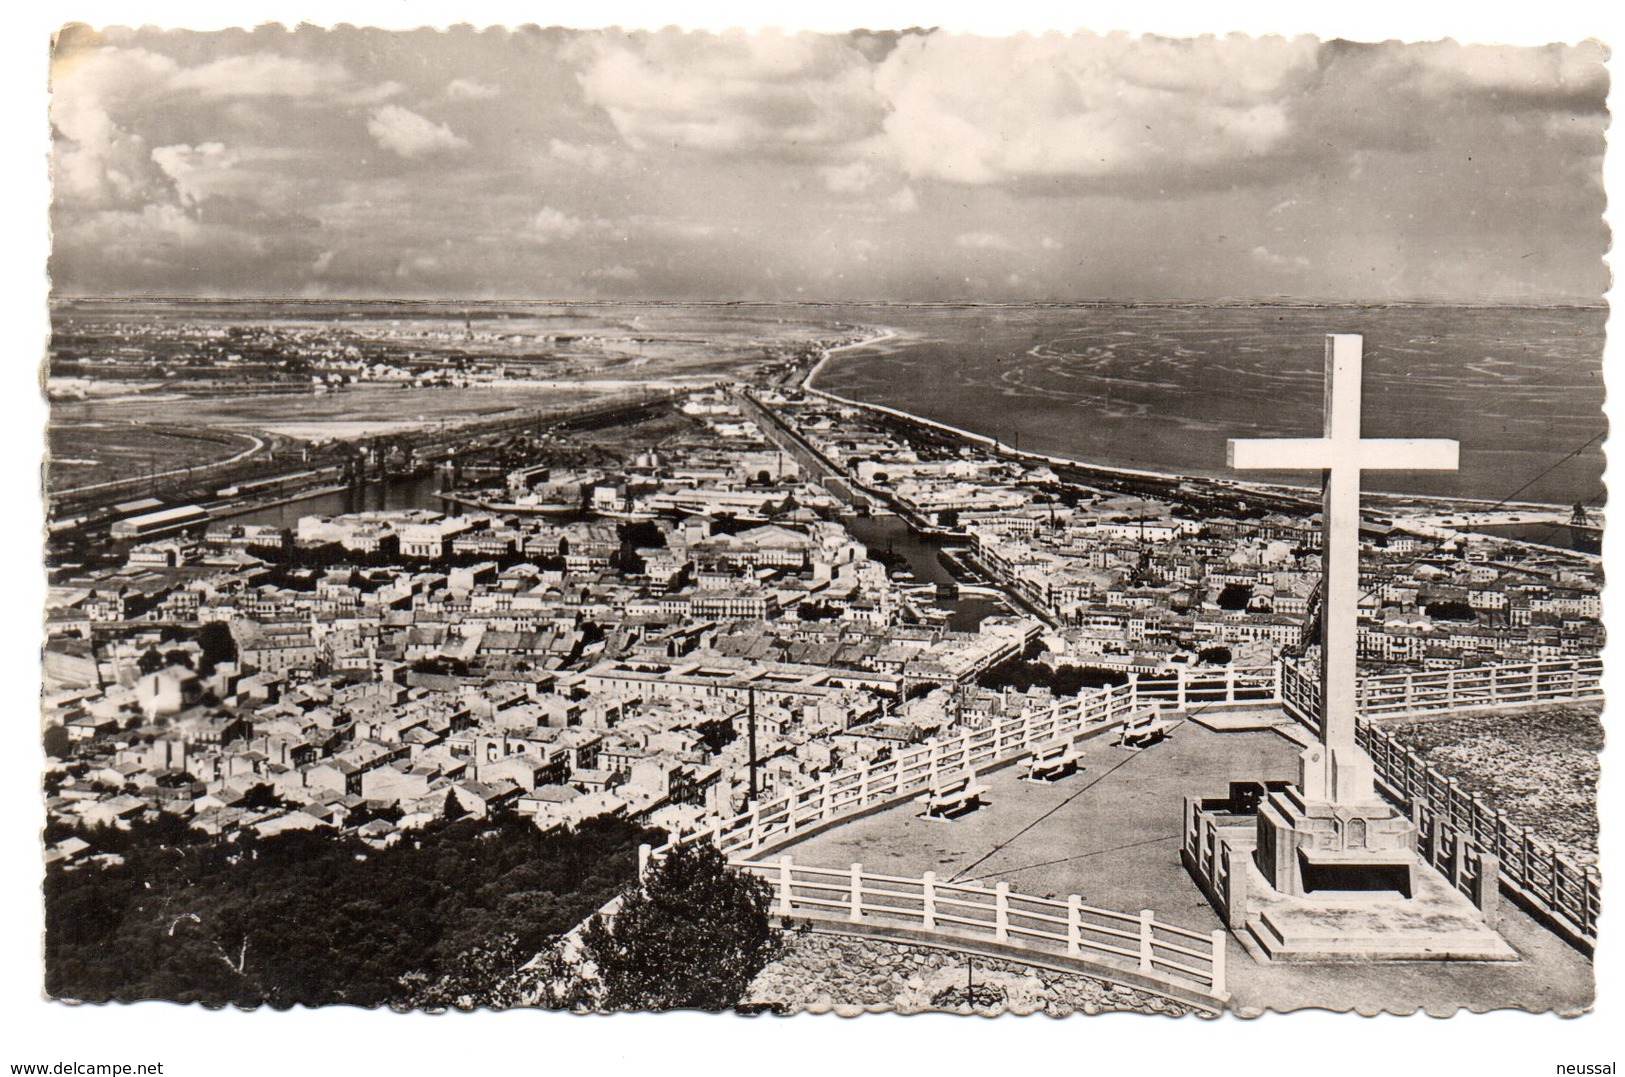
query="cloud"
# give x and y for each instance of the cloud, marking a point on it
(98, 161)
(407, 134)
(766, 93)
(549, 224)
(264, 74)
(103, 95)
(470, 90)
(991, 111)
(904, 201)
(983, 241)
(593, 158)
(1555, 76)
(186, 166)
(1265, 256)
(125, 231)
(697, 160)
(850, 178)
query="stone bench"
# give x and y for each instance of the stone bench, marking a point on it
(956, 796)
(1143, 730)
(1051, 762)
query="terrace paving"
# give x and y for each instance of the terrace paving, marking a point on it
(1112, 835)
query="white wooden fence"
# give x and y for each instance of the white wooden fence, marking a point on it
(1527, 867)
(913, 770)
(1446, 691)
(1449, 817)
(1135, 942)
(1568, 894)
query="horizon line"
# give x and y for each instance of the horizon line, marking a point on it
(1600, 303)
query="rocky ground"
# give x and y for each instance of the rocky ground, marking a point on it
(850, 975)
(1539, 766)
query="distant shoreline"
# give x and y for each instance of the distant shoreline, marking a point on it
(883, 333)
(59, 300)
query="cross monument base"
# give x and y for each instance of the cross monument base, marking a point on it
(1306, 846)
(1309, 881)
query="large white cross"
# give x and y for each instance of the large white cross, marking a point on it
(1341, 773)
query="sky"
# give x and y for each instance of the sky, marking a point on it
(896, 166)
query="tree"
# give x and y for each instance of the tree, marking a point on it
(691, 935)
(150, 661)
(217, 643)
(57, 743)
(1063, 680)
(1214, 656)
(1451, 611)
(260, 795)
(1235, 596)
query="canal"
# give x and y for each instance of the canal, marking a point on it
(886, 531)
(411, 492)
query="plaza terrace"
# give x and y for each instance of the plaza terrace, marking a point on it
(1112, 833)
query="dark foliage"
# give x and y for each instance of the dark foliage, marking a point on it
(1064, 680)
(57, 741)
(817, 611)
(217, 643)
(310, 918)
(1235, 596)
(1452, 611)
(692, 936)
(441, 665)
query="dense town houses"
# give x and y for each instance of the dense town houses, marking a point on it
(587, 641)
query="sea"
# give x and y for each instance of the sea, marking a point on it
(1158, 387)
(1161, 388)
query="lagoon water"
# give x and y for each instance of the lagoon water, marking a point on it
(1161, 388)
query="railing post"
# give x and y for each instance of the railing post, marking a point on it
(1487, 889)
(784, 886)
(1074, 925)
(857, 893)
(1555, 895)
(1219, 942)
(928, 900)
(1147, 918)
(643, 861)
(1001, 911)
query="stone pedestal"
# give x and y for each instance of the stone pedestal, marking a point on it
(1308, 843)
(1321, 881)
